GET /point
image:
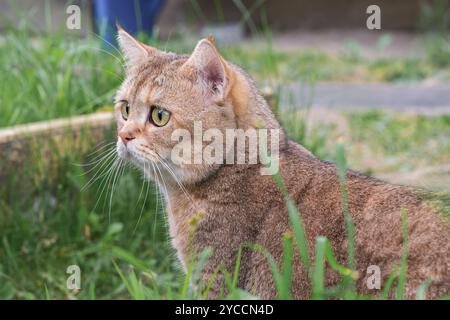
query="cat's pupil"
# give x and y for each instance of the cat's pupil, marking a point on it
(160, 112)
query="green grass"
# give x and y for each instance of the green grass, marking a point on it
(53, 76)
(404, 142)
(48, 221)
(310, 65)
(46, 76)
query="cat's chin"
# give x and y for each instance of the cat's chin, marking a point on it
(135, 159)
(129, 155)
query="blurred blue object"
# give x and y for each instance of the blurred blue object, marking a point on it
(133, 15)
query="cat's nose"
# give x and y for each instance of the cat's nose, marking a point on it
(126, 136)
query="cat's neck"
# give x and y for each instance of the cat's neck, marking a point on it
(223, 184)
(250, 107)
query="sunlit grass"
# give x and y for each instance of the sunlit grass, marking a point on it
(48, 222)
(46, 76)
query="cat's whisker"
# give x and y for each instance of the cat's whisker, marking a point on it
(144, 178)
(105, 70)
(164, 183)
(159, 198)
(113, 73)
(177, 180)
(100, 152)
(101, 170)
(158, 194)
(99, 164)
(94, 179)
(94, 159)
(115, 180)
(108, 42)
(99, 147)
(145, 200)
(96, 163)
(107, 186)
(105, 182)
(119, 58)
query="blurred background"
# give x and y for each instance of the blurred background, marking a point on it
(64, 198)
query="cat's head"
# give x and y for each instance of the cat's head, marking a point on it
(164, 92)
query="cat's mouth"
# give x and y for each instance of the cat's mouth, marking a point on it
(153, 165)
(133, 154)
(136, 157)
(129, 154)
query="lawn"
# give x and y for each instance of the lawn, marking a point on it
(64, 202)
(46, 77)
(50, 220)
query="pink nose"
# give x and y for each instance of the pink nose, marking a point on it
(126, 136)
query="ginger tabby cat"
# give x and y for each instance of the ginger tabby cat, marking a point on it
(236, 204)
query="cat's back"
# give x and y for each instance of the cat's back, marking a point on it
(376, 209)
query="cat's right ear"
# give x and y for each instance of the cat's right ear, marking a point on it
(134, 51)
(206, 60)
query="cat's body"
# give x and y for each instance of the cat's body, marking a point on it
(242, 206)
(224, 206)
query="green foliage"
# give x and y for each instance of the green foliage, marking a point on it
(438, 51)
(54, 76)
(411, 136)
(48, 220)
(50, 76)
(47, 223)
(392, 69)
(434, 16)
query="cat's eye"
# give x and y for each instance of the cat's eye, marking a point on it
(159, 116)
(124, 109)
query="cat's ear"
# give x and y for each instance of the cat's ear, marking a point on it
(133, 50)
(207, 61)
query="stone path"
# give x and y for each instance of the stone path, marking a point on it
(327, 100)
(415, 98)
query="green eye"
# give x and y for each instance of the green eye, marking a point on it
(159, 116)
(125, 109)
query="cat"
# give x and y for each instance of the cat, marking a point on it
(222, 206)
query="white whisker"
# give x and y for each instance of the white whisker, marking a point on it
(180, 184)
(95, 163)
(105, 184)
(113, 186)
(107, 160)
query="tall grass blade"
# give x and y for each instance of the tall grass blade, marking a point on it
(401, 284)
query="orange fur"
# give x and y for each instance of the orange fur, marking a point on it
(239, 205)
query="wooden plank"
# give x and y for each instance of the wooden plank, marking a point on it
(100, 119)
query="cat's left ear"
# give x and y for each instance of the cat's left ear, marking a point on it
(134, 51)
(210, 65)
